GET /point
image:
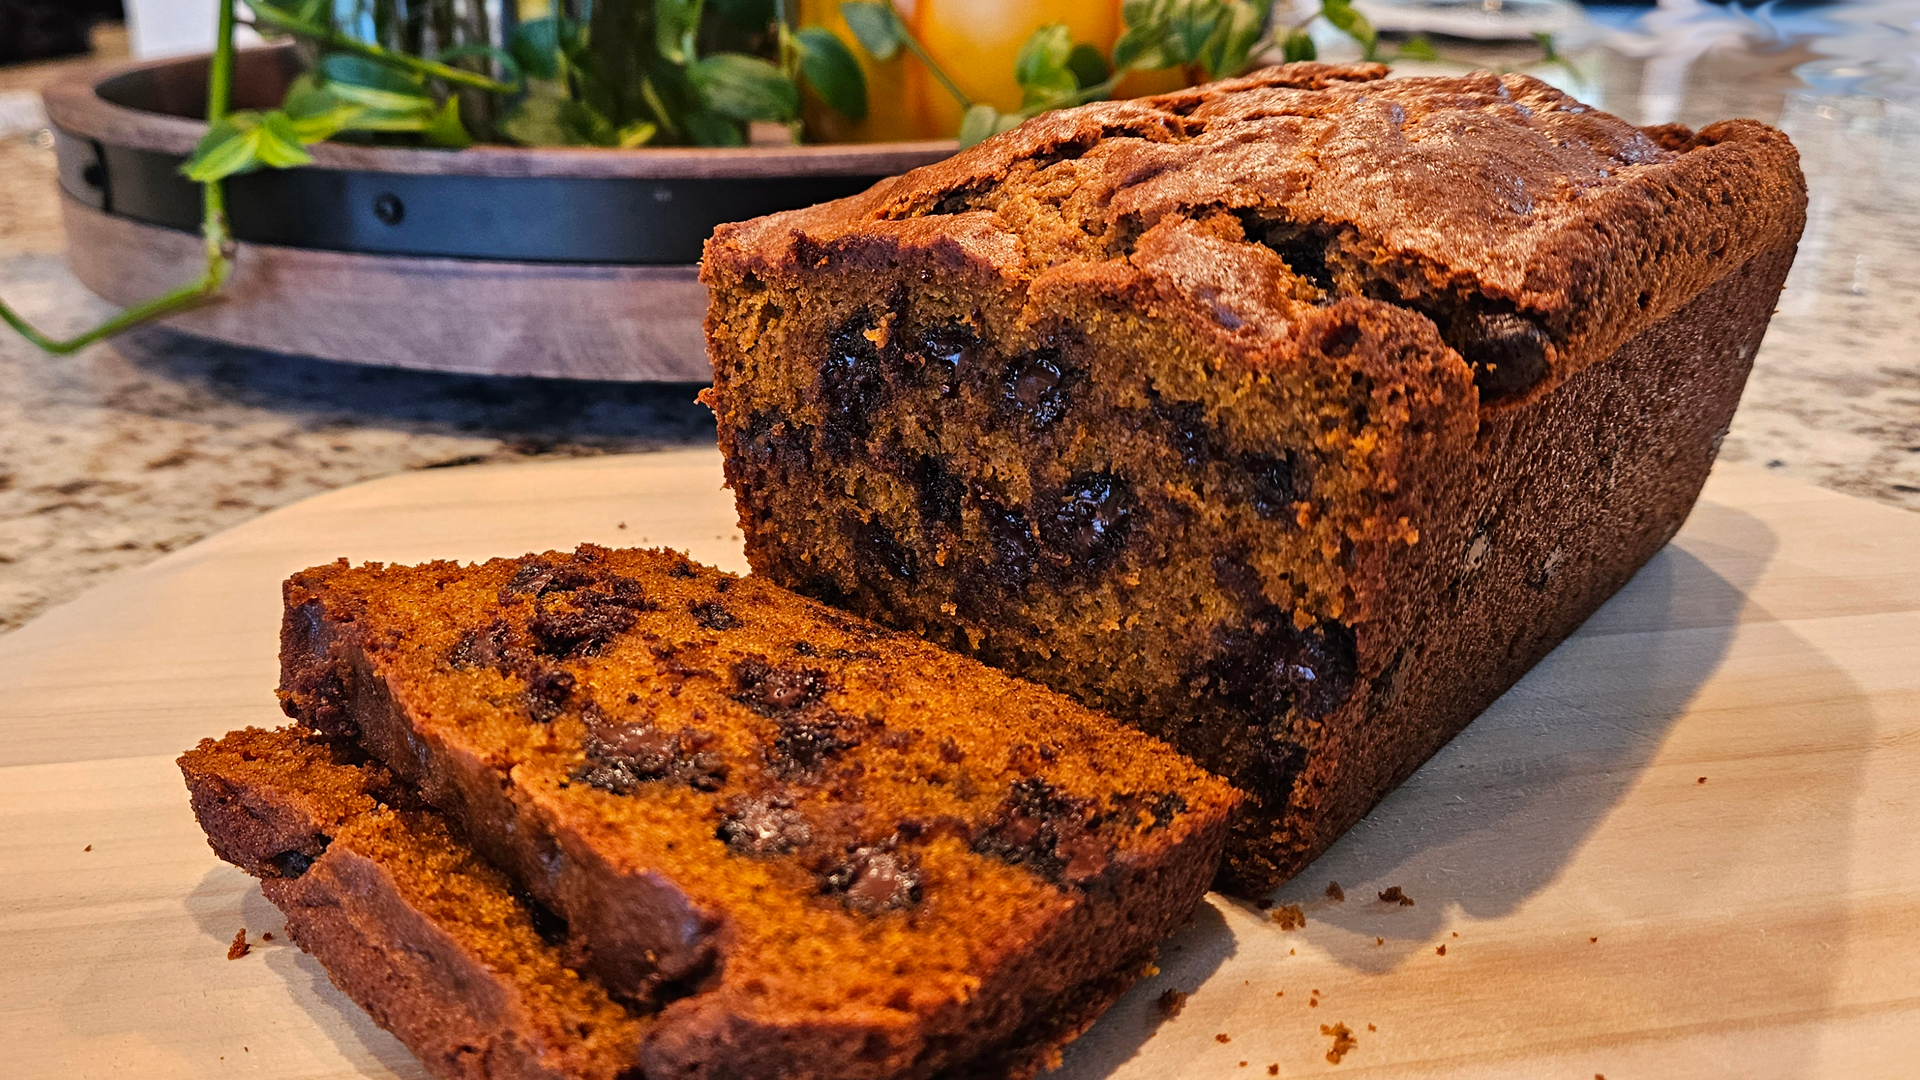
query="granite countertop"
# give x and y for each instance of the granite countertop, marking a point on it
(135, 447)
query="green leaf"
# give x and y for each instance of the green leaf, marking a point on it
(318, 114)
(277, 142)
(744, 87)
(978, 123)
(1350, 22)
(748, 14)
(1189, 26)
(1417, 47)
(638, 133)
(1088, 66)
(225, 150)
(444, 128)
(874, 26)
(713, 129)
(508, 65)
(1233, 39)
(1041, 68)
(674, 24)
(1299, 46)
(538, 44)
(359, 81)
(830, 68)
(535, 120)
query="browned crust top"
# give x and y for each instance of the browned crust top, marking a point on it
(1495, 187)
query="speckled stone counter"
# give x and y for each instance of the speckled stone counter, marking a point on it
(129, 449)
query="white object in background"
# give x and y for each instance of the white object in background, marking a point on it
(1487, 20)
(175, 27)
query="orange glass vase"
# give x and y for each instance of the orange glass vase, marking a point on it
(975, 42)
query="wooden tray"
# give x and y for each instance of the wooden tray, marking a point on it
(1615, 915)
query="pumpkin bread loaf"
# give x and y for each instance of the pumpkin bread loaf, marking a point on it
(801, 844)
(1290, 418)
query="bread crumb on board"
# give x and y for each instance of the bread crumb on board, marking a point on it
(1343, 1041)
(1392, 894)
(1289, 916)
(1335, 893)
(1223, 1037)
(1172, 1002)
(239, 948)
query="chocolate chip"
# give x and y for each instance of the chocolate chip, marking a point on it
(1187, 430)
(622, 756)
(806, 742)
(763, 825)
(1272, 483)
(875, 879)
(1233, 575)
(947, 350)
(1014, 547)
(1508, 352)
(291, 864)
(1090, 520)
(1042, 828)
(1038, 385)
(852, 384)
(940, 492)
(583, 619)
(710, 614)
(776, 690)
(879, 547)
(1270, 665)
(547, 692)
(1302, 248)
(771, 438)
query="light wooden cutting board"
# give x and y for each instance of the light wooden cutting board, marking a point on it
(1603, 911)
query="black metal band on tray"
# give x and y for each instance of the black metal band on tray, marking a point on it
(611, 220)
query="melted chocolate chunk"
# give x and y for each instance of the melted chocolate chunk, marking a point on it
(1014, 548)
(763, 825)
(1273, 483)
(713, 616)
(776, 690)
(874, 879)
(1188, 431)
(772, 437)
(1271, 768)
(492, 647)
(547, 692)
(1238, 579)
(1508, 352)
(947, 350)
(1270, 665)
(878, 547)
(940, 492)
(1090, 520)
(1340, 339)
(573, 620)
(551, 927)
(806, 742)
(853, 380)
(1038, 386)
(1042, 828)
(291, 864)
(622, 756)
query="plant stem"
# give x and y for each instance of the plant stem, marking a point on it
(913, 46)
(268, 15)
(213, 227)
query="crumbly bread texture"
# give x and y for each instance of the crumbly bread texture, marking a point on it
(407, 921)
(438, 947)
(1291, 418)
(808, 846)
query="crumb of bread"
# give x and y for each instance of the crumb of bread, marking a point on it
(1335, 893)
(1289, 916)
(1172, 1002)
(1223, 1037)
(1343, 1041)
(239, 948)
(1392, 895)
